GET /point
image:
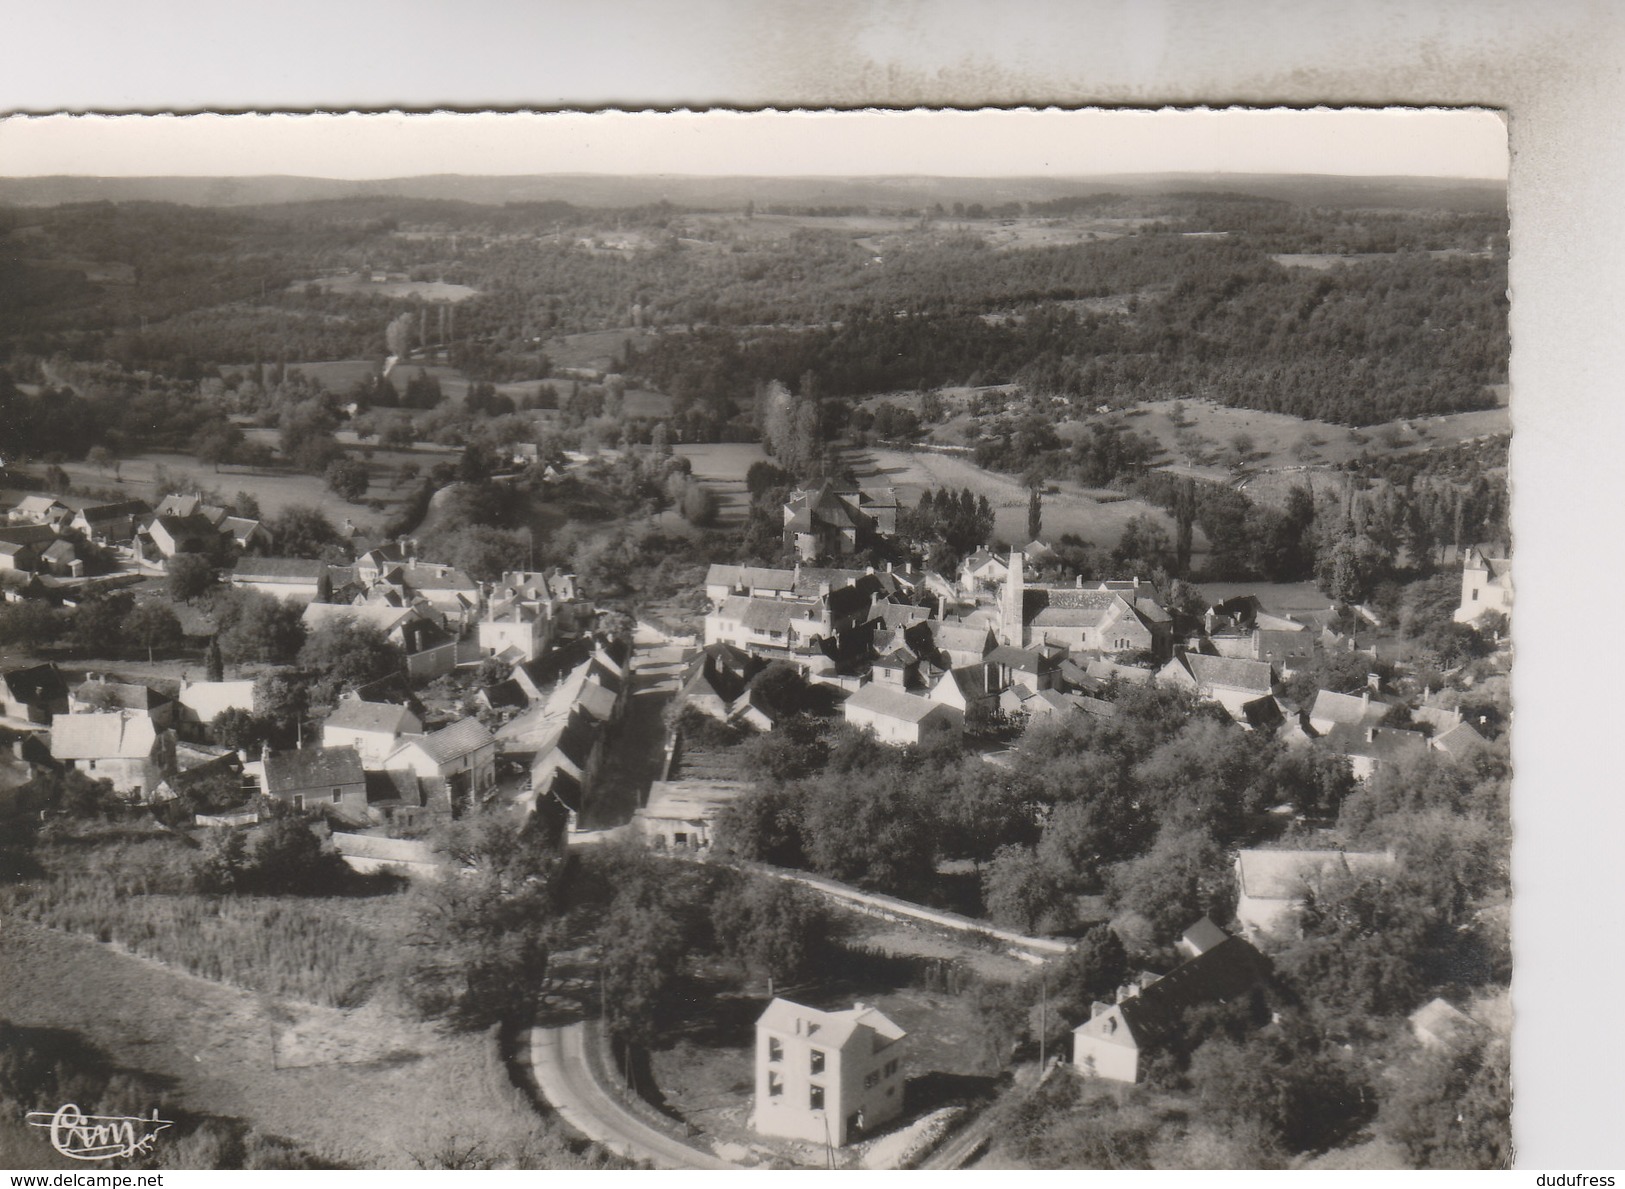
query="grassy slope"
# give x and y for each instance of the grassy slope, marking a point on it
(362, 1087)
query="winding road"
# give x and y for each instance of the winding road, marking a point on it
(569, 1083)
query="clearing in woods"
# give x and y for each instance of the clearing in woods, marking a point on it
(721, 467)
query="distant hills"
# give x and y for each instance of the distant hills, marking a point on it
(878, 193)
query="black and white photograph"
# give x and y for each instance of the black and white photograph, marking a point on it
(781, 640)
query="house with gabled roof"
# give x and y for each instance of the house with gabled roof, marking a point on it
(374, 729)
(463, 754)
(329, 779)
(1117, 1037)
(126, 749)
(1331, 710)
(111, 524)
(293, 579)
(827, 1077)
(33, 694)
(757, 625)
(899, 718)
(22, 558)
(1442, 1027)
(1459, 741)
(200, 702)
(39, 509)
(97, 694)
(1233, 683)
(1077, 619)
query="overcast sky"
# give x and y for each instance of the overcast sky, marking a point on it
(1432, 142)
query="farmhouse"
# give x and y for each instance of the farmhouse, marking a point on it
(374, 729)
(126, 749)
(1111, 1044)
(328, 778)
(111, 524)
(899, 718)
(19, 557)
(826, 1076)
(97, 693)
(464, 755)
(39, 509)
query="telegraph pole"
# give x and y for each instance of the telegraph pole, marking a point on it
(1043, 1017)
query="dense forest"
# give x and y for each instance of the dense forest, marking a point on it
(1185, 297)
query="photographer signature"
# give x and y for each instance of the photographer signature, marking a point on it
(98, 1137)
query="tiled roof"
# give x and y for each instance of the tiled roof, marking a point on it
(877, 699)
(277, 569)
(460, 738)
(1458, 740)
(1227, 969)
(382, 717)
(832, 1028)
(101, 737)
(313, 767)
(126, 695)
(1346, 708)
(1229, 672)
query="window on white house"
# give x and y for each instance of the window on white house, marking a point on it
(891, 1067)
(775, 1049)
(817, 1061)
(815, 1098)
(871, 1079)
(775, 1085)
(337, 796)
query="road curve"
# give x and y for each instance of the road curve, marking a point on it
(558, 1058)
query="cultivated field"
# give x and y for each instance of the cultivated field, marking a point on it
(365, 1087)
(1097, 517)
(275, 490)
(592, 349)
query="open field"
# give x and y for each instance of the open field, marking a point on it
(721, 467)
(1072, 509)
(365, 286)
(274, 489)
(364, 1087)
(594, 349)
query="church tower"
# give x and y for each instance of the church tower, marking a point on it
(1010, 603)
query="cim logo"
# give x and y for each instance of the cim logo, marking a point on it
(98, 1137)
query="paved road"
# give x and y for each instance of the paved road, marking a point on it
(566, 1079)
(963, 1145)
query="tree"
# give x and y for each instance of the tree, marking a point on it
(762, 824)
(213, 663)
(254, 627)
(347, 477)
(30, 622)
(281, 701)
(1184, 876)
(1018, 888)
(1453, 1110)
(771, 928)
(1092, 970)
(99, 620)
(1035, 513)
(482, 939)
(188, 575)
(699, 506)
(237, 729)
(153, 626)
(344, 654)
(216, 442)
(303, 531)
(878, 832)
